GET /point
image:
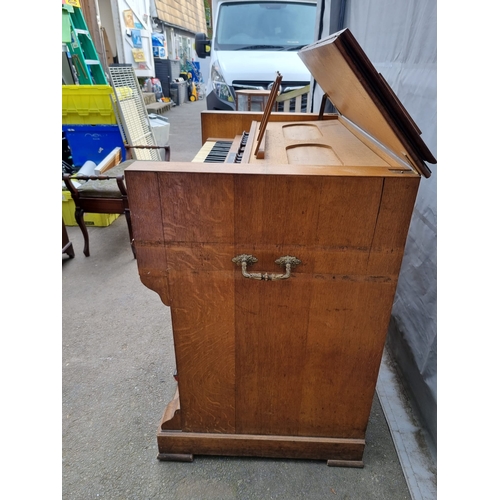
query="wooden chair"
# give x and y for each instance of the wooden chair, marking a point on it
(67, 246)
(260, 98)
(104, 194)
(294, 96)
(251, 97)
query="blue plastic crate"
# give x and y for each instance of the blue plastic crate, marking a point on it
(92, 142)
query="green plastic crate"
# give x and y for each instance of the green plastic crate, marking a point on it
(87, 105)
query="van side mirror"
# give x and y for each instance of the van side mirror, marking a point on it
(202, 45)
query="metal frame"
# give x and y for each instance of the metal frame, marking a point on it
(132, 113)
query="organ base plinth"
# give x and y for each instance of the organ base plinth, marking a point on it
(176, 445)
(181, 446)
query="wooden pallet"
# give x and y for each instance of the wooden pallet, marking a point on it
(159, 107)
(149, 98)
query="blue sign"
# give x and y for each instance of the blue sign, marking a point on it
(137, 39)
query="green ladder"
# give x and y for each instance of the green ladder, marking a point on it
(83, 52)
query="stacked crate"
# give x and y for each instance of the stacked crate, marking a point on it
(91, 130)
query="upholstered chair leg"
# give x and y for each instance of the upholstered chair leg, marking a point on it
(79, 219)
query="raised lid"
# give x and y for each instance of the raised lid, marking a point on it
(360, 94)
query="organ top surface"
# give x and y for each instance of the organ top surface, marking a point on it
(321, 143)
(363, 97)
(371, 133)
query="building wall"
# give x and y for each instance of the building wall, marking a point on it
(179, 21)
(186, 14)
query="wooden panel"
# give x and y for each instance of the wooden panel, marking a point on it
(348, 319)
(357, 90)
(229, 123)
(389, 239)
(143, 195)
(348, 212)
(312, 154)
(275, 210)
(203, 326)
(260, 446)
(315, 368)
(340, 146)
(197, 216)
(350, 98)
(331, 220)
(269, 379)
(309, 376)
(273, 368)
(197, 207)
(261, 168)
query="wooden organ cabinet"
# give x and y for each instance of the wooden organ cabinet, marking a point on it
(280, 264)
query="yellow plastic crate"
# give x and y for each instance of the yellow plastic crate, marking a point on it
(123, 93)
(68, 213)
(87, 105)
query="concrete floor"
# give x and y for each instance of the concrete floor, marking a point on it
(117, 377)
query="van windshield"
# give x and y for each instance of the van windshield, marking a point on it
(265, 26)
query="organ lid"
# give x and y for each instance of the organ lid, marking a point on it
(360, 94)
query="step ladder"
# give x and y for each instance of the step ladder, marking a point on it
(83, 53)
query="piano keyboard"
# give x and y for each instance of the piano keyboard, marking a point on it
(222, 151)
(213, 152)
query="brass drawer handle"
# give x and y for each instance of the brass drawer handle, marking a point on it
(247, 260)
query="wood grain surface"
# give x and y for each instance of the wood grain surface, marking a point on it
(360, 93)
(283, 368)
(298, 357)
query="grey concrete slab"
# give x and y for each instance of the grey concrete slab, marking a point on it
(117, 377)
(415, 457)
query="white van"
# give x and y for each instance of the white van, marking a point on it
(252, 41)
